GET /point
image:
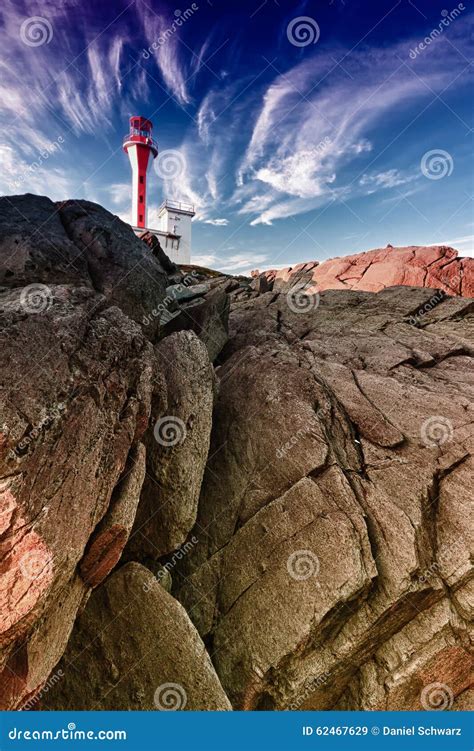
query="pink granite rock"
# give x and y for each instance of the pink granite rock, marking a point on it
(437, 267)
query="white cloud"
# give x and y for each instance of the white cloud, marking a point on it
(239, 263)
(391, 178)
(263, 150)
(42, 176)
(299, 147)
(120, 193)
(296, 174)
(217, 222)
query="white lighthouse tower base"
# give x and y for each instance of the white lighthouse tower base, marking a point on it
(174, 230)
(175, 220)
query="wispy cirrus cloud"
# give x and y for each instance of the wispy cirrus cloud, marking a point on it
(68, 86)
(165, 55)
(391, 178)
(310, 136)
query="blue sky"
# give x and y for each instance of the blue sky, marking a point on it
(300, 130)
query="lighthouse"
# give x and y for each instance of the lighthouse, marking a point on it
(139, 146)
(174, 217)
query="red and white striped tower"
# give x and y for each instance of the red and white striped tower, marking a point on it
(139, 144)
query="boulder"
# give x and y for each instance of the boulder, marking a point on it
(80, 243)
(35, 247)
(177, 442)
(120, 265)
(302, 508)
(139, 650)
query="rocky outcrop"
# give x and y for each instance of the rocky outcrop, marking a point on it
(436, 266)
(79, 373)
(301, 508)
(335, 566)
(75, 402)
(138, 649)
(80, 243)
